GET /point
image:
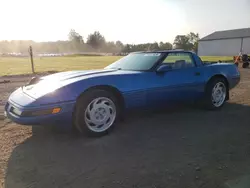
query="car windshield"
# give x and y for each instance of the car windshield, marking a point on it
(136, 61)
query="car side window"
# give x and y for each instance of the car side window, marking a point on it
(179, 60)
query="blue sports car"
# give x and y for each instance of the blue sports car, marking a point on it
(92, 101)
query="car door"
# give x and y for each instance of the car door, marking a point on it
(183, 82)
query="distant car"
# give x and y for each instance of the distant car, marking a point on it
(92, 101)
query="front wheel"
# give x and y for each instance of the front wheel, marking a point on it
(96, 113)
(216, 94)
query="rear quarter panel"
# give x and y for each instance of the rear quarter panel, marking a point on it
(228, 70)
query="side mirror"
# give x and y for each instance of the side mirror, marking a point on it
(163, 68)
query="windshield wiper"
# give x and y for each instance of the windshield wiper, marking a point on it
(116, 68)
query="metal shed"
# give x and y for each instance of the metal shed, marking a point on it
(225, 43)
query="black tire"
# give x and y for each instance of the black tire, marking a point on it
(81, 106)
(244, 57)
(244, 65)
(208, 93)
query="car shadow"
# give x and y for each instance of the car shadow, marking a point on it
(184, 147)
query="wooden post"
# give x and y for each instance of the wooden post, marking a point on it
(31, 59)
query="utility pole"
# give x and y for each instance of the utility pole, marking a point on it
(31, 59)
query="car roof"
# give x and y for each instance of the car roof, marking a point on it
(163, 51)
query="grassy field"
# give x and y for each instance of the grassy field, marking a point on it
(15, 66)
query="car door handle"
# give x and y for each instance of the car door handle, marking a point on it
(197, 73)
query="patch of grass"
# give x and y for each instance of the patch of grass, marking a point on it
(217, 58)
(15, 66)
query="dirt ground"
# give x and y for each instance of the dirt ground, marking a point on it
(184, 148)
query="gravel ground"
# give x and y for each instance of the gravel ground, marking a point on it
(184, 148)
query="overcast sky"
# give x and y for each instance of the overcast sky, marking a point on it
(131, 21)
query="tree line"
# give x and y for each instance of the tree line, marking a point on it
(96, 42)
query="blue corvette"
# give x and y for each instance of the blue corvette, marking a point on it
(92, 101)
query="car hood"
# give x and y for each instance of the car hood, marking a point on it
(64, 76)
(50, 83)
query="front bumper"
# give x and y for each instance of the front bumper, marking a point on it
(64, 117)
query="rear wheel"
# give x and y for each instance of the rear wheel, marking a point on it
(96, 112)
(216, 94)
(245, 65)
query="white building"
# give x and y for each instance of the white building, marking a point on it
(225, 43)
